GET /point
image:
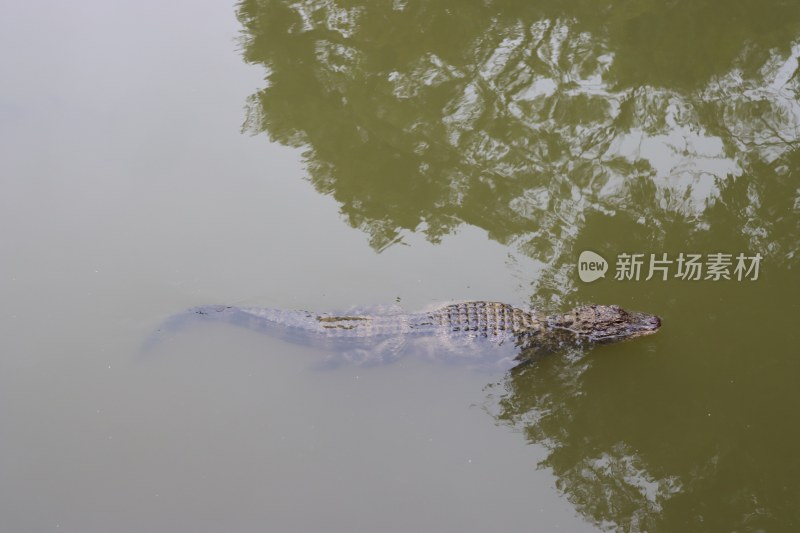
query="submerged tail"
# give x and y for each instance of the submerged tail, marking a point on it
(177, 322)
(290, 325)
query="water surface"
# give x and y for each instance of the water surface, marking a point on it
(320, 155)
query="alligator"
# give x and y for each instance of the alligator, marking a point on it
(478, 332)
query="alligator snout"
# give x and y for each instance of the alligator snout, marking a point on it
(648, 324)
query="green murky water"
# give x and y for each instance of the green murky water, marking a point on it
(558, 127)
(454, 150)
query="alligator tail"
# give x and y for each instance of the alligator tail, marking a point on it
(178, 322)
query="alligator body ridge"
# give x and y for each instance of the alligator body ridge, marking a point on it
(477, 331)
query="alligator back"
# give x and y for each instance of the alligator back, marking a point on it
(467, 319)
(469, 331)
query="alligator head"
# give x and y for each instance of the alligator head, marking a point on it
(604, 324)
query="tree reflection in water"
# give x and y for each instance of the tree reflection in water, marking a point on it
(540, 122)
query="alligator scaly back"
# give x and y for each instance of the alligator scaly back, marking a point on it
(467, 331)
